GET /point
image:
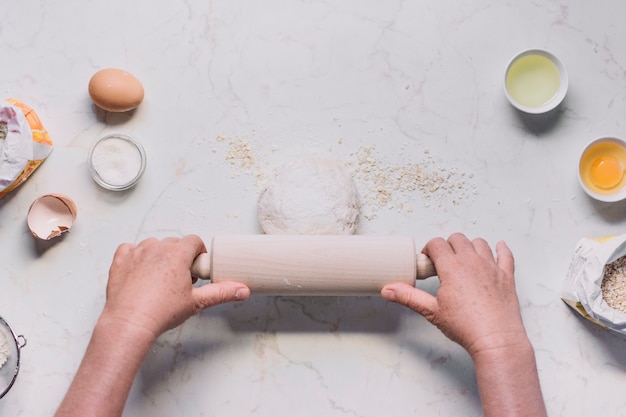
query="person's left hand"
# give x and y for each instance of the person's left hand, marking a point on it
(150, 284)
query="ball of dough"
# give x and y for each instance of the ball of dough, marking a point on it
(310, 196)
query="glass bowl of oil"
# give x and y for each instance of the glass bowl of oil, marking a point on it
(601, 169)
(535, 81)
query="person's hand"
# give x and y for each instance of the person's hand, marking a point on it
(476, 304)
(150, 284)
(150, 290)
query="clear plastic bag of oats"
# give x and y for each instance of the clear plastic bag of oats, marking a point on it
(595, 285)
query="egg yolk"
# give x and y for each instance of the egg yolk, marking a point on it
(606, 172)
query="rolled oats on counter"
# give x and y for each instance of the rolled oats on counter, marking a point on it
(614, 284)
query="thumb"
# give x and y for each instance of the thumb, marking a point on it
(219, 293)
(411, 297)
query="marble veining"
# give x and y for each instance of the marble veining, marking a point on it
(236, 88)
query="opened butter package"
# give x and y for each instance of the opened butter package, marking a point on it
(24, 144)
(595, 285)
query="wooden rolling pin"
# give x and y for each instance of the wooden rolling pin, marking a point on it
(313, 265)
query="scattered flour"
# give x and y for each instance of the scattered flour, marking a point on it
(395, 186)
(381, 185)
(242, 158)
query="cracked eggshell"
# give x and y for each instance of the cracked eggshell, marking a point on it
(51, 215)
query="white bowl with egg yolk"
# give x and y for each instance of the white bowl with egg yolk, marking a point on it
(601, 169)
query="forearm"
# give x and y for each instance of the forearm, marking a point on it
(508, 381)
(106, 373)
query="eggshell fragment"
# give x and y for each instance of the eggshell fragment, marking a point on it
(51, 215)
(115, 90)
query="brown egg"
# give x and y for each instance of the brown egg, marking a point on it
(115, 90)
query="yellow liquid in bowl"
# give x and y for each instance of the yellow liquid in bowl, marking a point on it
(597, 169)
(533, 80)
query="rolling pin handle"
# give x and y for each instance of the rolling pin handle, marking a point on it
(425, 267)
(201, 267)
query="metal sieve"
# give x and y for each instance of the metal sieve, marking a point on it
(10, 368)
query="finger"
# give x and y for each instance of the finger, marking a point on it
(441, 254)
(121, 253)
(437, 248)
(192, 247)
(505, 258)
(147, 242)
(460, 243)
(144, 246)
(123, 249)
(219, 293)
(483, 249)
(411, 297)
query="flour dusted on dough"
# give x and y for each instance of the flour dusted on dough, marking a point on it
(312, 196)
(4, 349)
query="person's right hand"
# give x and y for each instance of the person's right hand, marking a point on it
(476, 304)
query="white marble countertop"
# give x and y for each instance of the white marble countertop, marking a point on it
(233, 89)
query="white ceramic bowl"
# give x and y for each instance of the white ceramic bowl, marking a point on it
(610, 197)
(552, 101)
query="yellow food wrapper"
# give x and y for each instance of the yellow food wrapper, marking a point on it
(582, 288)
(24, 144)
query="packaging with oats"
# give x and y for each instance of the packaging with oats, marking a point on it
(24, 144)
(595, 285)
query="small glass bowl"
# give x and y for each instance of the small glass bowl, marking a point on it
(109, 170)
(10, 369)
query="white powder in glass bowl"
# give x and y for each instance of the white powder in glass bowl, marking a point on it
(117, 161)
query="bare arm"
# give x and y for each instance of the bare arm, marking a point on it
(149, 291)
(477, 306)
